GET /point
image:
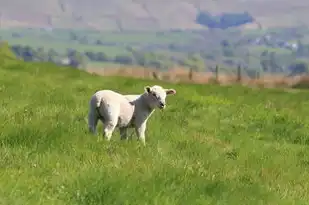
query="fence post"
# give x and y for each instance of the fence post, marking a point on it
(258, 75)
(217, 73)
(190, 73)
(238, 73)
(156, 76)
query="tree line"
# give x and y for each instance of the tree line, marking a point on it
(78, 59)
(269, 61)
(223, 21)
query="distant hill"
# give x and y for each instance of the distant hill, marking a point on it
(146, 14)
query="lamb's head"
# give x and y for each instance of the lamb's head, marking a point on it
(155, 96)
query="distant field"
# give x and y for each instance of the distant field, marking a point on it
(173, 46)
(144, 37)
(101, 65)
(62, 46)
(106, 36)
(259, 49)
(61, 40)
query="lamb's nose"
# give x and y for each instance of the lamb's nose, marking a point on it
(162, 105)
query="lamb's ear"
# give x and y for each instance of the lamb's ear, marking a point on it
(148, 89)
(170, 91)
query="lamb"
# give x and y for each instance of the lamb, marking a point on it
(125, 111)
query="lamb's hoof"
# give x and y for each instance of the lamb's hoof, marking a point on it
(123, 138)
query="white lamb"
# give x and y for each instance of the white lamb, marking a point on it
(125, 111)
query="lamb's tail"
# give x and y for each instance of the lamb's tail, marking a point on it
(98, 105)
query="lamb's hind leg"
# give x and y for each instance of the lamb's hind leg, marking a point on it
(111, 114)
(123, 133)
(108, 129)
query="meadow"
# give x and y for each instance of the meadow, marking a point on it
(212, 145)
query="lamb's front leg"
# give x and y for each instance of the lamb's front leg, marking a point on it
(140, 132)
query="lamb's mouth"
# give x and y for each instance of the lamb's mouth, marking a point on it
(161, 107)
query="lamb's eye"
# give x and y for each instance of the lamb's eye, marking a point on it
(154, 95)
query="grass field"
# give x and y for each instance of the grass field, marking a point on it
(60, 39)
(212, 145)
(107, 36)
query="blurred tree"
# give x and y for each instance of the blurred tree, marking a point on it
(298, 67)
(194, 61)
(124, 59)
(41, 55)
(102, 57)
(264, 61)
(52, 55)
(273, 63)
(28, 53)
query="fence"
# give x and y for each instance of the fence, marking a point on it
(214, 77)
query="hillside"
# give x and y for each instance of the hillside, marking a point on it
(212, 145)
(145, 14)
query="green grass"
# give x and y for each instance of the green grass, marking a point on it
(212, 145)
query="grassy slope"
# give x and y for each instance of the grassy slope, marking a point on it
(212, 145)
